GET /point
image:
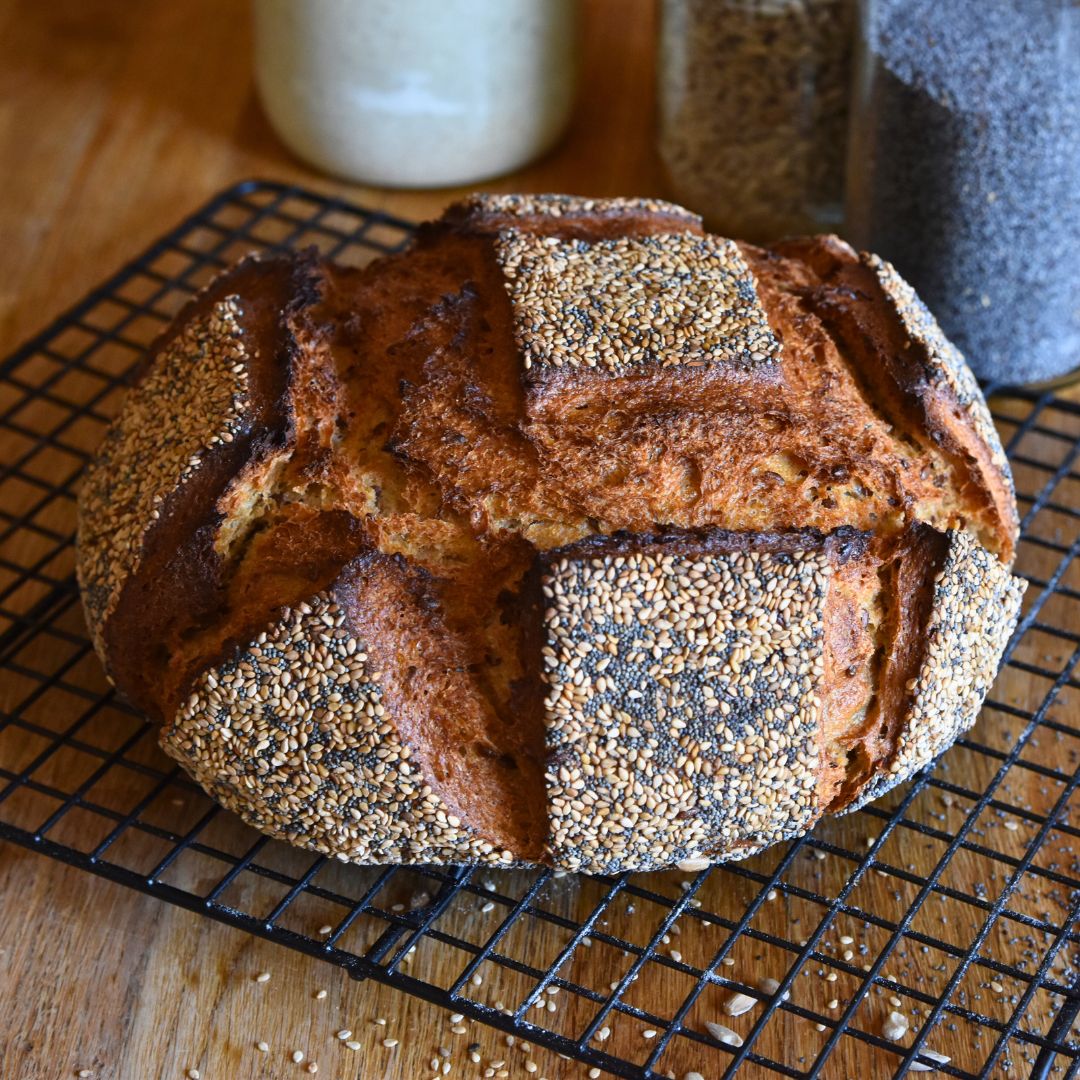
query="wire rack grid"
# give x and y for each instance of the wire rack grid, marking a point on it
(952, 902)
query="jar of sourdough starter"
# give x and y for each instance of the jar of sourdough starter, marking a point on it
(417, 93)
(965, 171)
(753, 98)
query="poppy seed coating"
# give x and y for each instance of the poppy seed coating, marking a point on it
(683, 709)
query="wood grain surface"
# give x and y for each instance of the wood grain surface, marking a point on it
(116, 118)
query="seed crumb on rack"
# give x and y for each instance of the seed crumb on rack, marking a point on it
(298, 1056)
(389, 1043)
(312, 1066)
(344, 1033)
(352, 1044)
(319, 995)
(193, 1074)
(895, 1027)
(324, 930)
(263, 976)
(262, 1046)
(649, 1033)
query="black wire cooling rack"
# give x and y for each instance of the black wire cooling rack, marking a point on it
(952, 902)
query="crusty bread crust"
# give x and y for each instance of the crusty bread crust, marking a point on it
(359, 581)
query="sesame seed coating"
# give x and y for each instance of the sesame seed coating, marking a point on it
(555, 205)
(683, 711)
(619, 304)
(292, 735)
(191, 399)
(947, 366)
(974, 610)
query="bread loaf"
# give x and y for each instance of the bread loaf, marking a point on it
(570, 535)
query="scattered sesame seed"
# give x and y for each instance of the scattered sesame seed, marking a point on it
(737, 1004)
(263, 976)
(938, 1059)
(263, 1047)
(723, 1034)
(298, 1056)
(389, 1043)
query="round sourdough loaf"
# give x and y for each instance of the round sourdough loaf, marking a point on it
(569, 535)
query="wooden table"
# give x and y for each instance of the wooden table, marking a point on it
(115, 119)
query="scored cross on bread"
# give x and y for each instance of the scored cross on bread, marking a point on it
(572, 534)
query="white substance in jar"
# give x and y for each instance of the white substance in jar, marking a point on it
(417, 93)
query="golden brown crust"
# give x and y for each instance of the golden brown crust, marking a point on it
(540, 387)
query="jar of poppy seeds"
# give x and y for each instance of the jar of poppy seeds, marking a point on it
(753, 100)
(964, 171)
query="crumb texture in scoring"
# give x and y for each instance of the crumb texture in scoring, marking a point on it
(292, 735)
(946, 363)
(619, 304)
(974, 609)
(191, 399)
(683, 711)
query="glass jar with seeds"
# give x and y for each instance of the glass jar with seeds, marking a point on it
(964, 171)
(753, 98)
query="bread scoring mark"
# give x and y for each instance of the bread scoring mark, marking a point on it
(683, 708)
(292, 734)
(616, 305)
(192, 399)
(974, 609)
(946, 364)
(546, 205)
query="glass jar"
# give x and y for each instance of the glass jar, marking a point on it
(964, 171)
(753, 99)
(417, 93)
